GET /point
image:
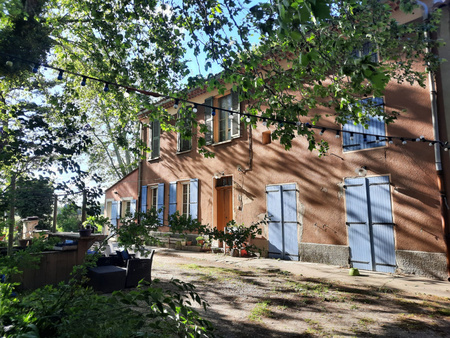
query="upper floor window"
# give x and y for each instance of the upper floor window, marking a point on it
(184, 137)
(154, 133)
(223, 125)
(368, 48)
(356, 136)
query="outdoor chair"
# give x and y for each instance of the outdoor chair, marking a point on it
(106, 277)
(138, 269)
(123, 257)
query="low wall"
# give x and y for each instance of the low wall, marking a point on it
(428, 264)
(325, 254)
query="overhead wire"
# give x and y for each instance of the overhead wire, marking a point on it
(300, 125)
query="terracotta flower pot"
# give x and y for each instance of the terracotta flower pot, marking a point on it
(85, 232)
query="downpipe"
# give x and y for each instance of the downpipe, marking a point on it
(437, 147)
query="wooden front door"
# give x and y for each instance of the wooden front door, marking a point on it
(224, 206)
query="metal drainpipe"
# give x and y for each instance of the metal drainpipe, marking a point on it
(437, 153)
(138, 207)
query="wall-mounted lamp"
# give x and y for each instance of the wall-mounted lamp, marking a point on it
(219, 174)
(362, 171)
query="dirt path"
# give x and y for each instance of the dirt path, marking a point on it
(248, 302)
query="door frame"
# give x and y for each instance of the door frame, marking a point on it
(215, 201)
(373, 262)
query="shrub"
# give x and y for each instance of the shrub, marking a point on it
(237, 236)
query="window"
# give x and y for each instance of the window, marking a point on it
(376, 127)
(128, 206)
(154, 133)
(153, 197)
(223, 125)
(185, 138)
(153, 203)
(368, 48)
(183, 197)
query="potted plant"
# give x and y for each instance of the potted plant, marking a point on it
(200, 240)
(85, 230)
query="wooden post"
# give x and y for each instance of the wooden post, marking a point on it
(55, 212)
(83, 208)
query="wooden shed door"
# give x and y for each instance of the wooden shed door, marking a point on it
(283, 226)
(370, 224)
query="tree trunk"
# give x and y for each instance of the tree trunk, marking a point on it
(12, 211)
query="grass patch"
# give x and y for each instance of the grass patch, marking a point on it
(261, 310)
(215, 270)
(315, 328)
(366, 321)
(407, 322)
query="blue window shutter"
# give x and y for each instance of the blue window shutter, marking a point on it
(114, 213)
(382, 224)
(132, 207)
(358, 223)
(172, 198)
(358, 139)
(209, 121)
(160, 203)
(193, 198)
(144, 198)
(376, 126)
(275, 221)
(290, 226)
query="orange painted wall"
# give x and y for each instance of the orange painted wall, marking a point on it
(126, 187)
(320, 180)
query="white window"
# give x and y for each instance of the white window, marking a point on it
(154, 133)
(185, 198)
(153, 197)
(128, 206)
(222, 125)
(357, 137)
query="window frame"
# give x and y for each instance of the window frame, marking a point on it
(152, 196)
(184, 198)
(154, 140)
(180, 140)
(230, 128)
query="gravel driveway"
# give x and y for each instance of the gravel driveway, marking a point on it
(256, 302)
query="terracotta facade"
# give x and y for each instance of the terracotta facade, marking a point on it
(322, 227)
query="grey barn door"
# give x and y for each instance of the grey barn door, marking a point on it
(283, 226)
(369, 223)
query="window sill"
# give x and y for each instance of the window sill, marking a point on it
(220, 143)
(183, 152)
(153, 159)
(364, 149)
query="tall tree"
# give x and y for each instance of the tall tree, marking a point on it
(34, 197)
(312, 55)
